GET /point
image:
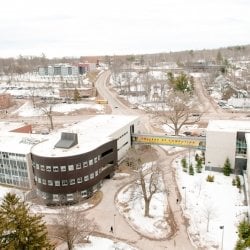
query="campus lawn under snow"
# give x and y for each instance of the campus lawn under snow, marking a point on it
(27, 109)
(130, 204)
(104, 244)
(219, 200)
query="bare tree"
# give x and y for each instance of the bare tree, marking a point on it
(177, 111)
(73, 227)
(47, 111)
(148, 180)
(209, 213)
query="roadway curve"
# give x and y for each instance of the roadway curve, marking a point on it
(104, 212)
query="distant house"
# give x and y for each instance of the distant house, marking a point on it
(5, 100)
(86, 67)
(83, 92)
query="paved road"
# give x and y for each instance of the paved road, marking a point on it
(105, 211)
(106, 214)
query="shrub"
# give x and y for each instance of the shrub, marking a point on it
(238, 183)
(210, 178)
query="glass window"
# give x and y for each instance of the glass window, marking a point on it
(37, 166)
(95, 160)
(35, 178)
(100, 170)
(70, 197)
(72, 181)
(70, 167)
(96, 172)
(44, 182)
(99, 157)
(55, 169)
(85, 164)
(92, 176)
(91, 162)
(48, 168)
(42, 168)
(79, 180)
(78, 166)
(57, 183)
(86, 178)
(55, 197)
(63, 168)
(64, 182)
(84, 193)
(50, 183)
(39, 180)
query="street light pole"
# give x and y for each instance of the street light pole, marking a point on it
(114, 227)
(185, 197)
(222, 227)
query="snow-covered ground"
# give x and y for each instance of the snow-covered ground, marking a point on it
(219, 200)
(130, 204)
(103, 244)
(27, 109)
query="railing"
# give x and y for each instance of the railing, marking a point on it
(177, 141)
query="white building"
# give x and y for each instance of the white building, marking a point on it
(15, 158)
(61, 69)
(227, 139)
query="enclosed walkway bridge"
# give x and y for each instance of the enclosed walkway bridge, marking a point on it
(177, 141)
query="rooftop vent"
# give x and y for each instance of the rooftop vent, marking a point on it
(68, 140)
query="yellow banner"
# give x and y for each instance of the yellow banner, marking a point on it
(168, 141)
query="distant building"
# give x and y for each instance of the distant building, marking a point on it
(86, 67)
(58, 70)
(5, 100)
(83, 92)
(63, 69)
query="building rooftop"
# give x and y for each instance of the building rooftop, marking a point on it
(229, 125)
(91, 133)
(19, 143)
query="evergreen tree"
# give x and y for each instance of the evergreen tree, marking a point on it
(199, 165)
(227, 168)
(244, 236)
(184, 164)
(20, 230)
(77, 96)
(191, 169)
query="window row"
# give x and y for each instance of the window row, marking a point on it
(14, 172)
(67, 168)
(22, 182)
(6, 155)
(58, 183)
(19, 166)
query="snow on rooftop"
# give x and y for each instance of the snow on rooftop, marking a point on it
(14, 142)
(91, 133)
(228, 125)
(19, 143)
(8, 126)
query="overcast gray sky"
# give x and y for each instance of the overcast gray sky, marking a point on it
(98, 27)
